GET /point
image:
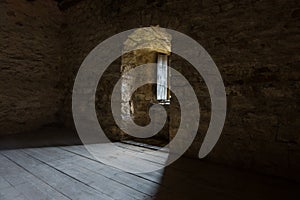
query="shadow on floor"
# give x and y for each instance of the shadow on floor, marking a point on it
(190, 179)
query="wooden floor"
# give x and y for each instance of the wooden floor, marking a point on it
(70, 172)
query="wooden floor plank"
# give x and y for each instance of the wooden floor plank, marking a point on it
(123, 158)
(97, 181)
(28, 185)
(131, 180)
(10, 193)
(73, 173)
(152, 176)
(3, 183)
(110, 187)
(150, 155)
(138, 183)
(180, 173)
(66, 185)
(139, 144)
(48, 154)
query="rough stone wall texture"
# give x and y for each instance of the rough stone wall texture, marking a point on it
(30, 54)
(254, 43)
(149, 42)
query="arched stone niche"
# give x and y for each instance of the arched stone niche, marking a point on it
(150, 42)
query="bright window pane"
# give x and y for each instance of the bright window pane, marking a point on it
(162, 77)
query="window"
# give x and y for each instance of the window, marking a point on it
(163, 82)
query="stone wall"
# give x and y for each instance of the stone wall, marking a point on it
(30, 52)
(149, 42)
(254, 43)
